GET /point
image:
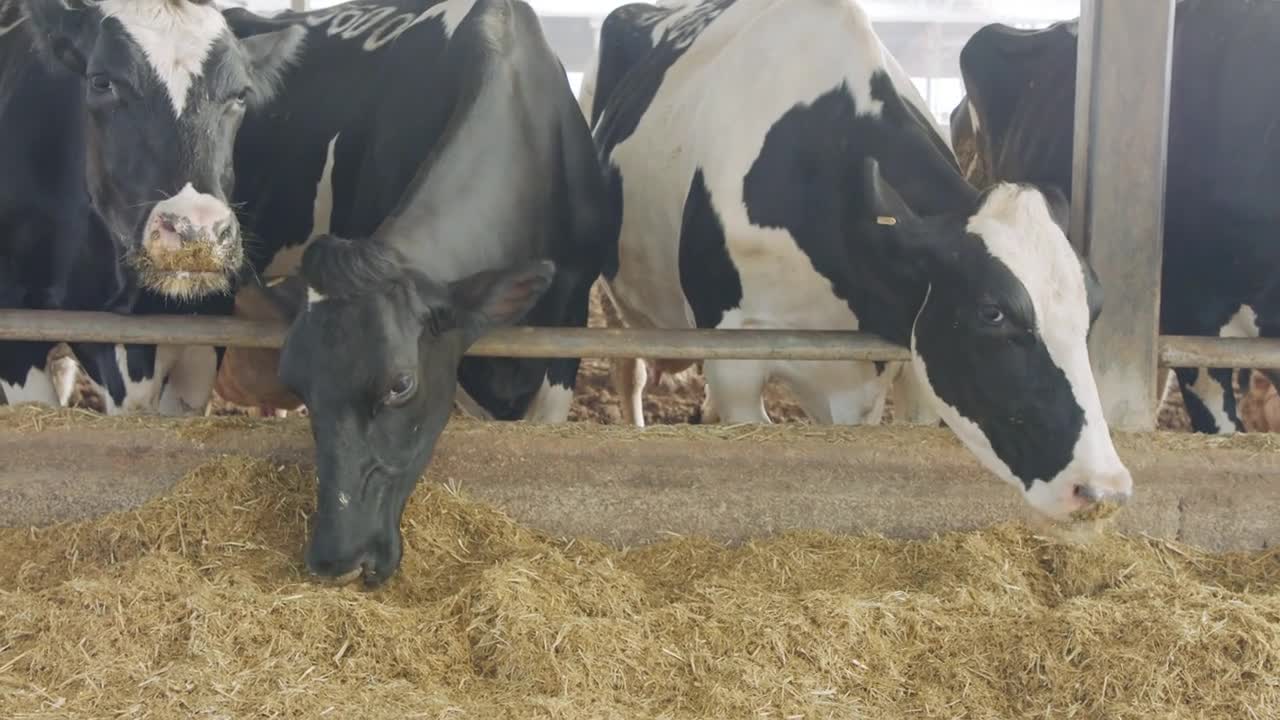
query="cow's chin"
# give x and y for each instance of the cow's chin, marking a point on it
(185, 285)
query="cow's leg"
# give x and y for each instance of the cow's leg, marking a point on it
(628, 376)
(739, 387)
(125, 376)
(567, 303)
(189, 382)
(64, 373)
(23, 373)
(911, 402)
(1209, 401)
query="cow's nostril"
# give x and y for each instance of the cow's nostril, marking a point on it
(1087, 493)
(167, 225)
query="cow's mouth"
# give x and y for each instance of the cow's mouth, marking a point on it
(194, 271)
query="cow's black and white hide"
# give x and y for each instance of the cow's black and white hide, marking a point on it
(769, 165)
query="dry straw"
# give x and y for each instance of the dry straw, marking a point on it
(195, 605)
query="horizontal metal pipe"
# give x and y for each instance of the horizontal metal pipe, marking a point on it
(63, 325)
(1214, 352)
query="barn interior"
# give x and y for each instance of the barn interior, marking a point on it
(151, 567)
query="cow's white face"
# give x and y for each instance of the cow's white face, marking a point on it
(1000, 345)
(166, 88)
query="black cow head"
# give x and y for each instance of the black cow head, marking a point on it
(375, 358)
(1017, 119)
(166, 86)
(999, 342)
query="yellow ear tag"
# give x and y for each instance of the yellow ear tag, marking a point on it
(886, 220)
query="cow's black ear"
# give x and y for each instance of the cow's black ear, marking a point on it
(494, 298)
(270, 55)
(903, 232)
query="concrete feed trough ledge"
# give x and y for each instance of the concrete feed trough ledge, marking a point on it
(626, 486)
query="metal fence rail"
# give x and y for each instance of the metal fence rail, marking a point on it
(62, 325)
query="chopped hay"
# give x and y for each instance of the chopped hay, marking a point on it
(196, 605)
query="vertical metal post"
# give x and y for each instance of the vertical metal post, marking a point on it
(300, 5)
(1118, 183)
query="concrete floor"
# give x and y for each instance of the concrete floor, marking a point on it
(625, 486)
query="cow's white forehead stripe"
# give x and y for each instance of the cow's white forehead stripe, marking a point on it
(1015, 226)
(175, 37)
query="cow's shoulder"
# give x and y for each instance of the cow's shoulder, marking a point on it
(638, 46)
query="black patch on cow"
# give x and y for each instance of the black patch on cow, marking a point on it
(17, 358)
(612, 224)
(707, 274)
(806, 181)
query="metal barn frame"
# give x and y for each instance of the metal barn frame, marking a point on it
(1122, 118)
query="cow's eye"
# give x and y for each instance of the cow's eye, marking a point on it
(991, 314)
(400, 390)
(100, 84)
(240, 97)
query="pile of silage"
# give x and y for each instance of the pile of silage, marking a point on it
(196, 606)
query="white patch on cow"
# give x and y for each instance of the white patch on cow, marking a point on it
(550, 405)
(380, 23)
(37, 387)
(314, 297)
(1015, 226)
(973, 117)
(1243, 324)
(452, 13)
(722, 73)
(189, 380)
(286, 261)
(175, 37)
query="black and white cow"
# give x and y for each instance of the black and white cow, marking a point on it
(117, 119)
(305, 166)
(165, 85)
(757, 182)
(501, 223)
(1222, 217)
